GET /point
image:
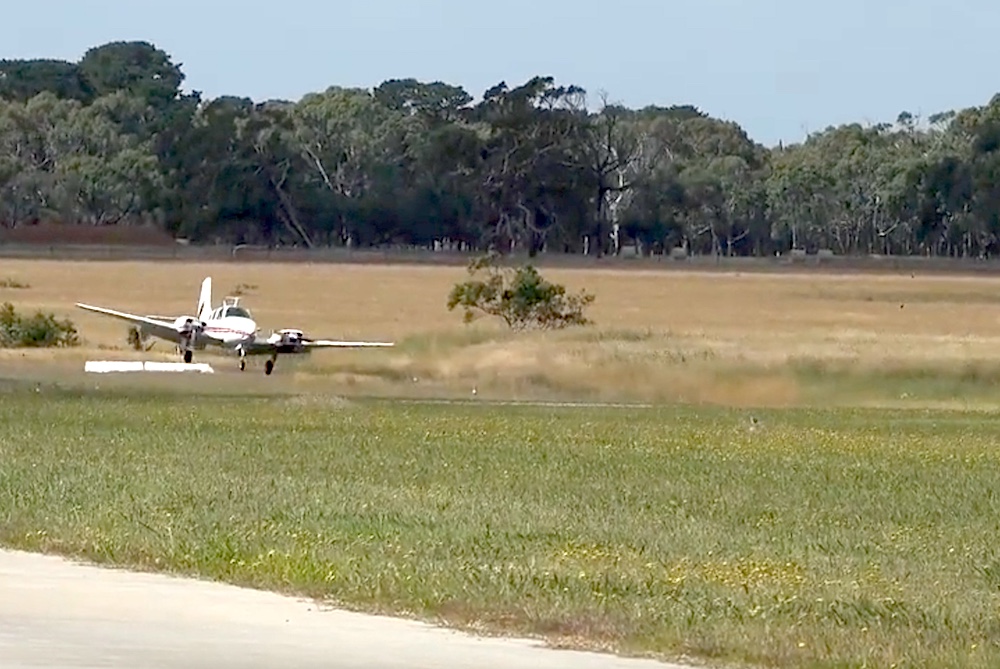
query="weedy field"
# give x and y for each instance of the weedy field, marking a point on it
(805, 538)
(750, 339)
(816, 489)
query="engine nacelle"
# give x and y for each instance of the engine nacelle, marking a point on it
(287, 340)
(189, 326)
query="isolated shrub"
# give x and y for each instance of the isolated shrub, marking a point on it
(243, 289)
(38, 331)
(13, 283)
(137, 338)
(520, 296)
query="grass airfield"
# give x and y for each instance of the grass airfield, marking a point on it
(814, 487)
(731, 339)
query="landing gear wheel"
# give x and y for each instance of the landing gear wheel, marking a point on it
(269, 367)
(187, 356)
(243, 364)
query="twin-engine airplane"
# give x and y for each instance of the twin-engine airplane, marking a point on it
(230, 327)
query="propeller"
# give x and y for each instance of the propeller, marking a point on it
(189, 328)
(288, 337)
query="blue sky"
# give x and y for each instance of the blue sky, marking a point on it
(780, 68)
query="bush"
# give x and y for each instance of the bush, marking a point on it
(521, 297)
(39, 331)
(13, 283)
(137, 338)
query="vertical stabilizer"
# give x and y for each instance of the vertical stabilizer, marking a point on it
(205, 299)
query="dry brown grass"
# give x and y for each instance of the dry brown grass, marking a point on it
(754, 339)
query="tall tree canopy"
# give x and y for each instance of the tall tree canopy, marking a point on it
(539, 166)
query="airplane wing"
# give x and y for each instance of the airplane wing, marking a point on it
(294, 341)
(328, 343)
(158, 328)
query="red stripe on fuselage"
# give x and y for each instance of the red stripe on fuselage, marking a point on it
(221, 329)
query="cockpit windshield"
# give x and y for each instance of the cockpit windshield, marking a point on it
(237, 312)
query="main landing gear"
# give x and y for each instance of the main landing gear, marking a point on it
(268, 364)
(188, 355)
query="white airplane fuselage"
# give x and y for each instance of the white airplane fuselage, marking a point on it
(231, 331)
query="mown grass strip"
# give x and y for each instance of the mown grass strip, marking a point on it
(807, 539)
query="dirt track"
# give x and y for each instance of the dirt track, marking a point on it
(223, 253)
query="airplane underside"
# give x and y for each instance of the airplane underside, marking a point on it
(188, 353)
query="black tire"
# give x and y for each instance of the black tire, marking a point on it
(269, 367)
(188, 355)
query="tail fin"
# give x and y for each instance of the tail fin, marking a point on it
(205, 299)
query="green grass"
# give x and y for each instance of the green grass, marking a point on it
(821, 538)
(904, 383)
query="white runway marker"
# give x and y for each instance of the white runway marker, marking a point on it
(111, 366)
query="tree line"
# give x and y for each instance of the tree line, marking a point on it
(539, 166)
